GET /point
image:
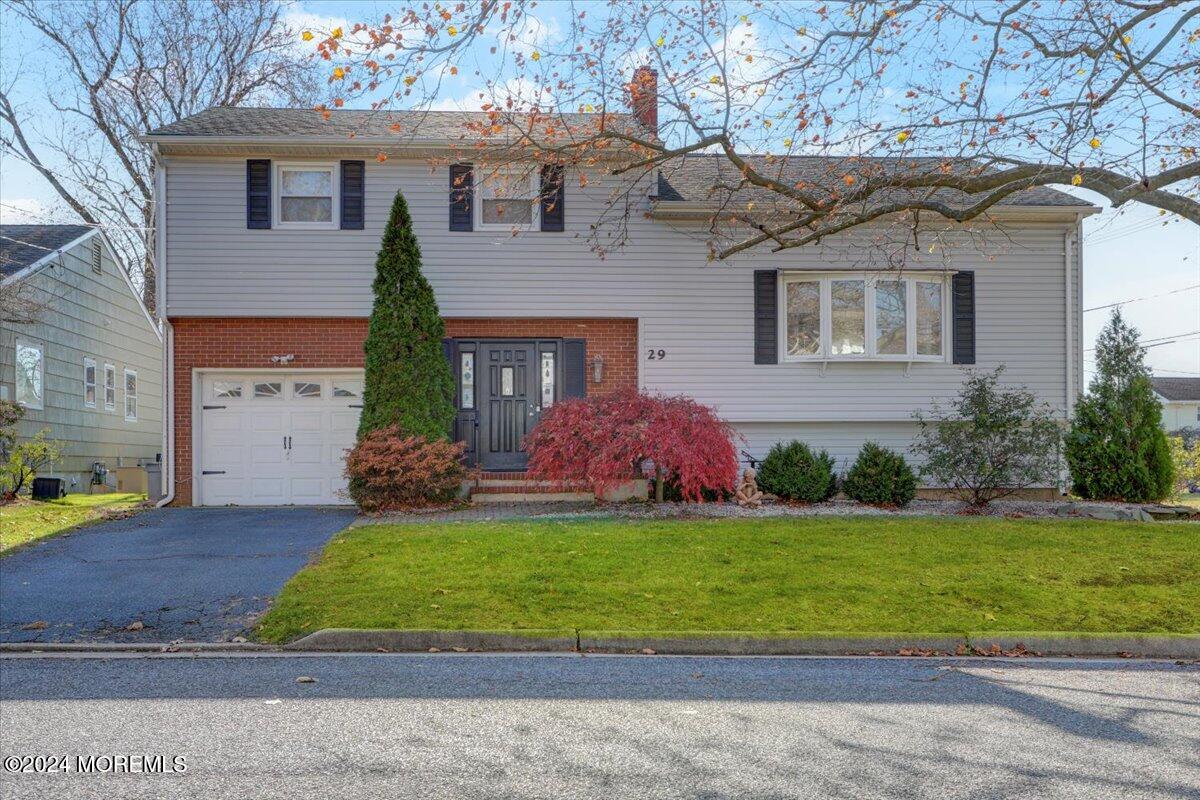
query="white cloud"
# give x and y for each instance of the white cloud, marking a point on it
(24, 211)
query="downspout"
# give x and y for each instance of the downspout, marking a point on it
(1069, 281)
(1069, 318)
(160, 309)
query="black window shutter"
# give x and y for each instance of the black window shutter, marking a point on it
(553, 194)
(575, 368)
(354, 175)
(766, 317)
(963, 297)
(258, 193)
(462, 191)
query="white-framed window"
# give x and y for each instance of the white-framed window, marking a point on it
(847, 316)
(507, 198)
(110, 387)
(31, 374)
(306, 195)
(130, 395)
(89, 382)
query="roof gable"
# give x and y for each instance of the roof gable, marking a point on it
(22, 246)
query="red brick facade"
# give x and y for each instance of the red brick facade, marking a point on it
(319, 343)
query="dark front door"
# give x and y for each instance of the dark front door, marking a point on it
(511, 383)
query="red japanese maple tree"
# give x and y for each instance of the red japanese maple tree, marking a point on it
(605, 440)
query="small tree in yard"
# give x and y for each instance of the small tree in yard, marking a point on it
(1116, 448)
(990, 442)
(604, 440)
(19, 463)
(408, 380)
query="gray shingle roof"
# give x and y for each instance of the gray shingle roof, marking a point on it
(22, 245)
(1178, 389)
(306, 122)
(691, 178)
(684, 179)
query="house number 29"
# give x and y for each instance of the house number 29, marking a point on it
(656, 355)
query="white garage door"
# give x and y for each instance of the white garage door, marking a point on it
(276, 439)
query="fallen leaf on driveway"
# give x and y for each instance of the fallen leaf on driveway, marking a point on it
(306, 679)
(36, 625)
(136, 625)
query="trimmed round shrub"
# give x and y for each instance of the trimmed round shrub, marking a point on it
(880, 477)
(390, 470)
(792, 471)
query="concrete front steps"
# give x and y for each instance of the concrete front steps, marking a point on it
(514, 487)
(510, 487)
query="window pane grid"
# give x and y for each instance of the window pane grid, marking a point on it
(845, 317)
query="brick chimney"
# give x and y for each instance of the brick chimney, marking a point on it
(643, 97)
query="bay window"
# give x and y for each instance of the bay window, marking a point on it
(861, 316)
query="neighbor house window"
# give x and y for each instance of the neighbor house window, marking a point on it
(131, 396)
(89, 382)
(507, 198)
(845, 316)
(306, 195)
(31, 374)
(110, 387)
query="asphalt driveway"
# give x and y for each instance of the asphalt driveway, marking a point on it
(197, 574)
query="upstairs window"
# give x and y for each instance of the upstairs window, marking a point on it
(306, 195)
(848, 316)
(506, 198)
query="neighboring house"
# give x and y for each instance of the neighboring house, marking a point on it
(1180, 398)
(268, 236)
(89, 366)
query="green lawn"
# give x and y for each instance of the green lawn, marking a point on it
(28, 520)
(950, 575)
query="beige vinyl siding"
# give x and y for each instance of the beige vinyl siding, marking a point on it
(97, 317)
(699, 312)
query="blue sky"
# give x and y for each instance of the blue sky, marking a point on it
(1128, 254)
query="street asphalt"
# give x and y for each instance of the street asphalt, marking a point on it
(448, 725)
(200, 574)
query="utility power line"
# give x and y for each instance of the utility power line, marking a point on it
(1139, 299)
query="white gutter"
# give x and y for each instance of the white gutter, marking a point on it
(685, 209)
(160, 307)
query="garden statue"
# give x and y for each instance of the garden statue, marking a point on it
(748, 494)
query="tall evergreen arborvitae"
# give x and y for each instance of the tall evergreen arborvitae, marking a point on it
(408, 380)
(1116, 448)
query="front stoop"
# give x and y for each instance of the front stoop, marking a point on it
(514, 487)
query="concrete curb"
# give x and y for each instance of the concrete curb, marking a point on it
(133, 647)
(743, 643)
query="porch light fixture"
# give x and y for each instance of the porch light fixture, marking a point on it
(598, 369)
(286, 359)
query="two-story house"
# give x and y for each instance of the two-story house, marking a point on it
(271, 220)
